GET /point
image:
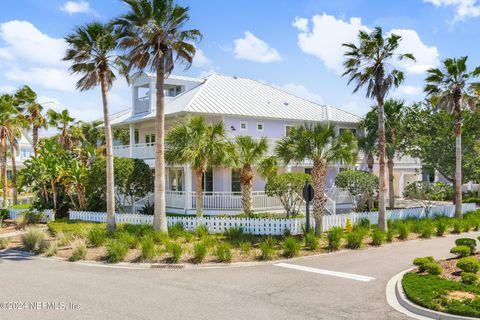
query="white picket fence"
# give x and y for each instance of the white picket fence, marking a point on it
(48, 214)
(213, 224)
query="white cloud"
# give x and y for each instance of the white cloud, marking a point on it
(49, 78)
(254, 49)
(7, 88)
(206, 73)
(328, 34)
(407, 91)
(200, 60)
(73, 7)
(301, 24)
(463, 8)
(301, 91)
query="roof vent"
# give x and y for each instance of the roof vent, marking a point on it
(285, 103)
(235, 77)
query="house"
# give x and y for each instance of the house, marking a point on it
(247, 107)
(24, 152)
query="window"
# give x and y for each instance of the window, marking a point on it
(259, 126)
(207, 181)
(235, 181)
(288, 128)
(308, 171)
(137, 136)
(243, 125)
(176, 179)
(150, 138)
(26, 152)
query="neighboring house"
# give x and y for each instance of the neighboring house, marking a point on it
(247, 107)
(24, 152)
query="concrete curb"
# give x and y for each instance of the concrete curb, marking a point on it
(398, 300)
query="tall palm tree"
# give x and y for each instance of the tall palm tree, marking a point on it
(33, 113)
(153, 34)
(369, 65)
(250, 152)
(451, 88)
(321, 144)
(203, 146)
(92, 53)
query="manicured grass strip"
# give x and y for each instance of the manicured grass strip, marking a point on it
(430, 292)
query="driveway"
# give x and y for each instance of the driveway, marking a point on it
(342, 285)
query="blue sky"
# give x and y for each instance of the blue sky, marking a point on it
(294, 45)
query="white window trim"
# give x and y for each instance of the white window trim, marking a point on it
(285, 128)
(246, 125)
(263, 126)
(230, 181)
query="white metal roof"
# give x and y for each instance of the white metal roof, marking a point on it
(227, 95)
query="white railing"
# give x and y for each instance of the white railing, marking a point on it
(22, 200)
(139, 151)
(48, 214)
(213, 224)
(142, 105)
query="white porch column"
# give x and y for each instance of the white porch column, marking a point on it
(132, 139)
(187, 170)
(401, 184)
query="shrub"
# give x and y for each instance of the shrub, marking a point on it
(246, 247)
(52, 249)
(4, 215)
(33, 240)
(129, 239)
(21, 221)
(63, 238)
(391, 233)
(334, 237)
(378, 237)
(138, 230)
(267, 248)
(441, 226)
(79, 249)
(201, 231)
(362, 223)
(147, 209)
(224, 252)
(421, 262)
(147, 248)
(355, 239)
(291, 247)
(433, 268)
(427, 228)
(159, 237)
(288, 188)
(175, 231)
(457, 226)
(176, 251)
(96, 237)
(469, 264)
(200, 251)
(75, 228)
(468, 277)
(468, 242)
(4, 243)
(461, 251)
(33, 217)
(403, 231)
(116, 251)
(348, 226)
(311, 241)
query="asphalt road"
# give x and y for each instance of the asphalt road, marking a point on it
(256, 292)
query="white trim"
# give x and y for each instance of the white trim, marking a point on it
(285, 128)
(230, 180)
(345, 275)
(263, 126)
(246, 126)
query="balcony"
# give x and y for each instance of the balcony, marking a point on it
(142, 105)
(139, 151)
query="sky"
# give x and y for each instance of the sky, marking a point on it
(293, 45)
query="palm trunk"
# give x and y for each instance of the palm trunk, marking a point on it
(3, 169)
(35, 140)
(382, 219)
(391, 188)
(54, 192)
(14, 172)
(199, 192)
(82, 202)
(246, 176)
(160, 216)
(108, 157)
(319, 175)
(458, 154)
(370, 163)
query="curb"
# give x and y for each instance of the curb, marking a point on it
(398, 300)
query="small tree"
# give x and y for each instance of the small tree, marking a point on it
(288, 187)
(360, 185)
(425, 193)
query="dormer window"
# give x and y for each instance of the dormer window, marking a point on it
(259, 126)
(243, 126)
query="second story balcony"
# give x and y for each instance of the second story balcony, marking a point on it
(139, 151)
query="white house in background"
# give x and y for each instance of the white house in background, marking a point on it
(247, 107)
(25, 151)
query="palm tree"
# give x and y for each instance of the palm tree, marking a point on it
(153, 34)
(33, 113)
(250, 153)
(449, 89)
(368, 64)
(63, 122)
(201, 145)
(92, 53)
(322, 145)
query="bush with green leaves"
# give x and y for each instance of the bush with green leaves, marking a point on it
(33, 217)
(426, 229)
(131, 240)
(425, 193)
(33, 240)
(468, 242)
(403, 231)
(334, 237)
(461, 251)
(267, 248)
(175, 250)
(200, 250)
(469, 278)
(378, 237)
(52, 249)
(159, 237)
(223, 252)
(288, 188)
(147, 249)
(355, 239)
(441, 226)
(97, 236)
(245, 248)
(116, 250)
(457, 226)
(235, 235)
(359, 184)
(433, 268)
(79, 249)
(363, 223)
(147, 209)
(468, 264)
(291, 247)
(390, 234)
(4, 243)
(201, 231)
(4, 215)
(422, 261)
(21, 221)
(311, 241)
(176, 230)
